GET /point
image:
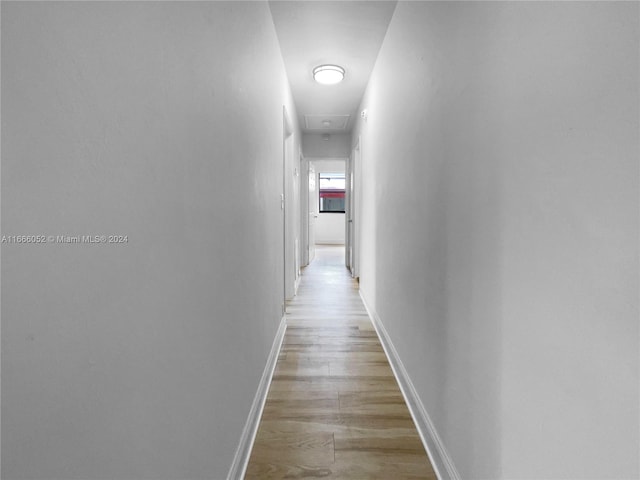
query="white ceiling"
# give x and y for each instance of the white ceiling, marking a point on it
(346, 33)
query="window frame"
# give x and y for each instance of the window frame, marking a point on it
(338, 191)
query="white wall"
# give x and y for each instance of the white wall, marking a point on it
(337, 146)
(144, 119)
(500, 229)
(330, 227)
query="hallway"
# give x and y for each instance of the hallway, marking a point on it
(334, 409)
(166, 167)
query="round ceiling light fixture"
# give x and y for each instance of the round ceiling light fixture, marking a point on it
(328, 74)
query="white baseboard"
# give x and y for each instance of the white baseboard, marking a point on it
(440, 459)
(243, 452)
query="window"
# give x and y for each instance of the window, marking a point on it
(331, 192)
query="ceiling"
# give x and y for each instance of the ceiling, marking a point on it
(346, 33)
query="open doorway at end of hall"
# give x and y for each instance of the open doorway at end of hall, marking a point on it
(327, 200)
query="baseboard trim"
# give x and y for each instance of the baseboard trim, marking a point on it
(241, 460)
(440, 459)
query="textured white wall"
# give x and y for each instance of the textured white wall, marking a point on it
(338, 145)
(330, 228)
(500, 229)
(143, 119)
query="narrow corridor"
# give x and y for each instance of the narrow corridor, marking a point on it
(334, 409)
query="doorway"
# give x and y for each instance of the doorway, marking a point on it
(353, 191)
(312, 208)
(289, 201)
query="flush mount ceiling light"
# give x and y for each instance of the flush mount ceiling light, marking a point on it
(328, 74)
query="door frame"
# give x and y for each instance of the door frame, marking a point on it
(311, 209)
(353, 217)
(304, 210)
(286, 204)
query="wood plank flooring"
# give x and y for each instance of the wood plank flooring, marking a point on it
(334, 409)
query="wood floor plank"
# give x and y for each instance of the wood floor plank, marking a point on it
(353, 357)
(334, 409)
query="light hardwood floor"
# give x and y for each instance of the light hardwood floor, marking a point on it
(334, 409)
